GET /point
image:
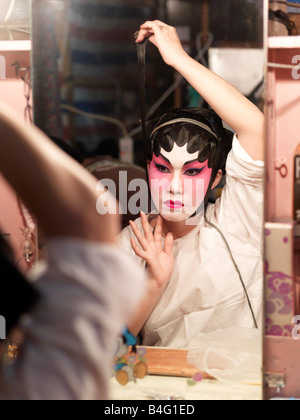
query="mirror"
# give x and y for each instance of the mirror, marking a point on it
(86, 98)
(281, 343)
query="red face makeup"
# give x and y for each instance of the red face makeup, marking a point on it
(178, 183)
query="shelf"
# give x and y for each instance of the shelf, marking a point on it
(15, 46)
(284, 42)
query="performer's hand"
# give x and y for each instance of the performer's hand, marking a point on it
(165, 38)
(160, 262)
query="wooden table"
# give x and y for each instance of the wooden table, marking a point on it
(168, 378)
(176, 388)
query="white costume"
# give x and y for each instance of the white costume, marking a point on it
(205, 292)
(71, 339)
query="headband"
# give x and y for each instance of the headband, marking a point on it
(187, 120)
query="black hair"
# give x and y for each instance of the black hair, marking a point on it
(211, 148)
(70, 149)
(5, 249)
(17, 295)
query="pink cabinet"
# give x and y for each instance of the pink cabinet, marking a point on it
(283, 116)
(282, 341)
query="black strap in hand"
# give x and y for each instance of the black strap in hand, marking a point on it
(141, 54)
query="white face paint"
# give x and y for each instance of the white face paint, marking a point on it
(178, 183)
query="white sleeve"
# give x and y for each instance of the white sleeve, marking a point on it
(242, 155)
(239, 213)
(88, 294)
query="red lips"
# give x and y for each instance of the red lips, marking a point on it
(174, 204)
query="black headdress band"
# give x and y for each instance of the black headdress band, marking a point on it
(186, 120)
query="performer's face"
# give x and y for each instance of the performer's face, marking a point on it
(178, 183)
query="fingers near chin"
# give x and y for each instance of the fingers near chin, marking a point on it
(159, 219)
(169, 238)
(135, 229)
(136, 248)
(169, 244)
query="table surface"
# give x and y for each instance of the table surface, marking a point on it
(166, 387)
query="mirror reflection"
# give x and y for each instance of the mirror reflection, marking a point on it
(200, 160)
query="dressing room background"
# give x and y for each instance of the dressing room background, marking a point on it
(70, 67)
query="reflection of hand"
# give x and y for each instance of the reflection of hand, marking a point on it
(165, 38)
(160, 262)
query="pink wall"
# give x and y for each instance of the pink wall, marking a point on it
(11, 221)
(12, 93)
